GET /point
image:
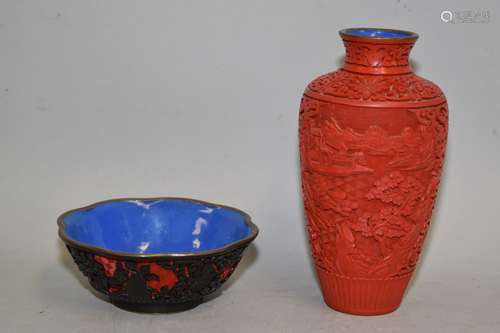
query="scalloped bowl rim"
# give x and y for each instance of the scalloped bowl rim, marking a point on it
(252, 234)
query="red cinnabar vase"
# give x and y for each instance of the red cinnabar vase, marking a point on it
(372, 143)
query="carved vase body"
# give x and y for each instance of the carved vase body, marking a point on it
(372, 143)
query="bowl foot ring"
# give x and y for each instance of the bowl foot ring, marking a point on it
(155, 307)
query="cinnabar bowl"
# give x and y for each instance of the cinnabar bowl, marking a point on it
(156, 254)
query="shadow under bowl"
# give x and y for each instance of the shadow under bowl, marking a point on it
(156, 254)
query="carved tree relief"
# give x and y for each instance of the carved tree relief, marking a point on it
(369, 193)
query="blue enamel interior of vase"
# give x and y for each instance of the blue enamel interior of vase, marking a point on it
(156, 226)
(379, 33)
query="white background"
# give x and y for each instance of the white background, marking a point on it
(104, 99)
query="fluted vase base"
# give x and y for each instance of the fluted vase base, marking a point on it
(361, 296)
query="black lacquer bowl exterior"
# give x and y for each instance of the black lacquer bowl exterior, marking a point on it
(159, 282)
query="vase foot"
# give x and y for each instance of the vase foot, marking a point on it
(358, 296)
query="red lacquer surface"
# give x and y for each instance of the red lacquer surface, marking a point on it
(372, 143)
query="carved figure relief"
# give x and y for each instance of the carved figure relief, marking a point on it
(369, 194)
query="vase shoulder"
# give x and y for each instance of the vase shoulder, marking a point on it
(403, 90)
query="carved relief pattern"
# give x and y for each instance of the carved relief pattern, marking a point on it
(395, 88)
(368, 194)
(160, 281)
(377, 55)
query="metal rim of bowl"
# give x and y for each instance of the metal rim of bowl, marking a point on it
(254, 230)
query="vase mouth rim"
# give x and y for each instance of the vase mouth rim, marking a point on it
(378, 34)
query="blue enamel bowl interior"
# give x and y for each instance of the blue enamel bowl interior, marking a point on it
(156, 226)
(378, 33)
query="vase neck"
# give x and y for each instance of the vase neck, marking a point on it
(377, 51)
